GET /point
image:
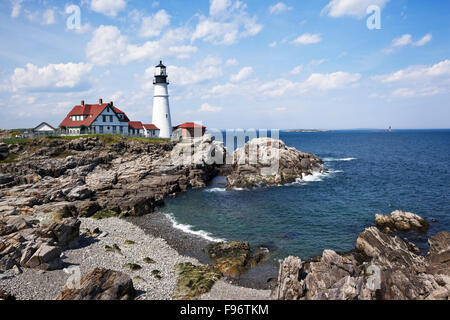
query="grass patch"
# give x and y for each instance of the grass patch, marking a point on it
(138, 279)
(194, 281)
(63, 155)
(11, 159)
(156, 274)
(129, 243)
(110, 138)
(133, 266)
(149, 260)
(115, 248)
(105, 214)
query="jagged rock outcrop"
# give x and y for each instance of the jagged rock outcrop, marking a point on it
(438, 257)
(266, 161)
(382, 267)
(62, 178)
(24, 242)
(234, 258)
(401, 221)
(4, 151)
(6, 296)
(100, 284)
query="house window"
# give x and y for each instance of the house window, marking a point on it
(107, 109)
(121, 129)
(104, 118)
(167, 116)
(111, 119)
(114, 129)
(101, 129)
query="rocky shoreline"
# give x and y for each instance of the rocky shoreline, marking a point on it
(89, 204)
(382, 266)
(48, 186)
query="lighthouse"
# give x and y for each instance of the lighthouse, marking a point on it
(161, 108)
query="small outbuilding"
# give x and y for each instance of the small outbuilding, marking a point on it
(189, 130)
(44, 130)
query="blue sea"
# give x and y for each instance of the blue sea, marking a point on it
(370, 172)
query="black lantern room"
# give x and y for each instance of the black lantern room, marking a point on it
(161, 74)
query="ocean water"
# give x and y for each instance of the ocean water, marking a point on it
(370, 172)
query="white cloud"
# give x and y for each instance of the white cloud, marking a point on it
(182, 52)
(278, 8)
(232, 62)
(407, 40)
(427, 38)
(297, 70)
(418, 81)
(286, 88)
(317, 62)
(109, 46)
(218, 7)
(353, 8)
(182, 76)
(308, 38)
(273, 44)
(209, 108)
(108, 7)
(106, 46)
(402, 41)
(53, 77)
(228, 22)
(325, 82)
(16, 8)
(48, 17)
(153, 26)
(242, 75)
(421, 73)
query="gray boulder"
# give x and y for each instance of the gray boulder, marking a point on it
(101, 284)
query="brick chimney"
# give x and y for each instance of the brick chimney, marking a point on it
(82, 102)
(100, 101)
(112, 104)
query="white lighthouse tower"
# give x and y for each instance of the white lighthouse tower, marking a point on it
(161, 108)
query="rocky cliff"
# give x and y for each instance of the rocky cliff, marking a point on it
(86, 176)
(382, 266)
(266, 161)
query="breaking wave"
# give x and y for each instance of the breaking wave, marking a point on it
(188, 229)
(338, 159)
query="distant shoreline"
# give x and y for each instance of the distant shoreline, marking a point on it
(306, 130)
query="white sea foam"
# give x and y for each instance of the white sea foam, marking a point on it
(315, 176)
(337, 159)
(188, 229)
(216, 190)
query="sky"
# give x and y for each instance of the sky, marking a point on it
(295, 64)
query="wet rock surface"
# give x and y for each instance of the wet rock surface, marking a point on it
(234, 258)
(266, 161)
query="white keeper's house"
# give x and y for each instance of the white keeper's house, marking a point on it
(104, 118)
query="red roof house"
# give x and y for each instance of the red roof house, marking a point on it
(100, 118)
(189, 130)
